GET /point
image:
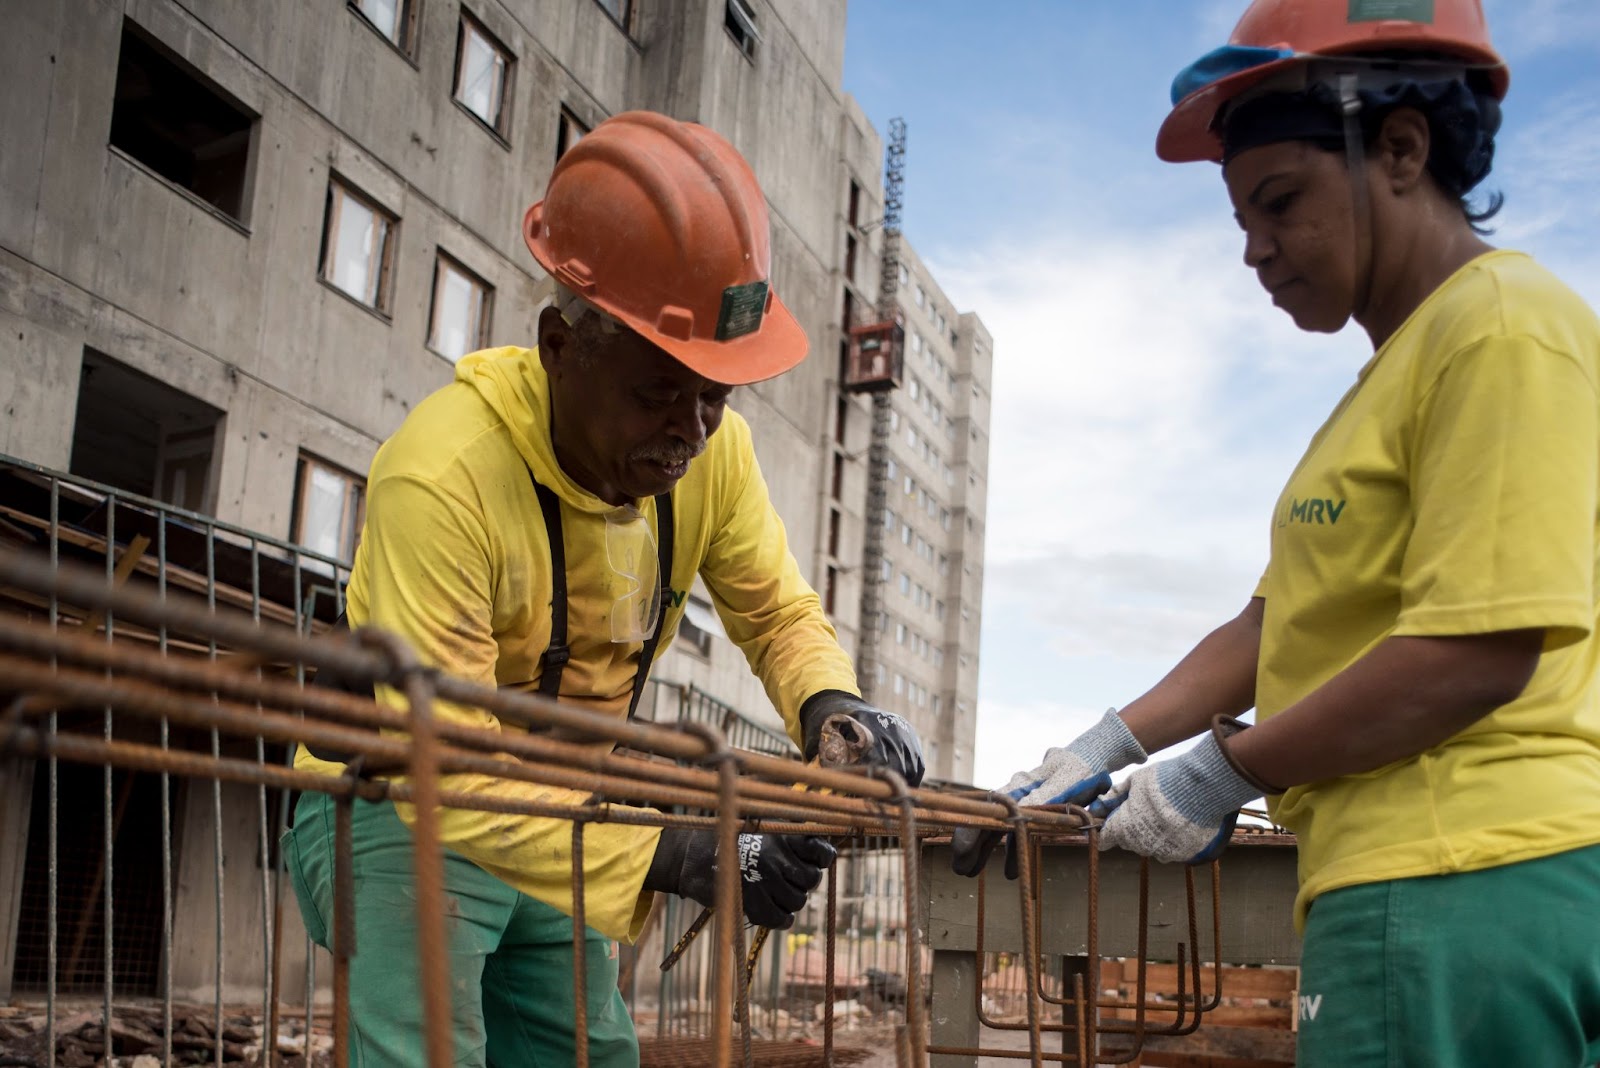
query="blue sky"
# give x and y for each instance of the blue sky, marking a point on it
(1149, 401)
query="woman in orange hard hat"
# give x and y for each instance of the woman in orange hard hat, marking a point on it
(1422, 650)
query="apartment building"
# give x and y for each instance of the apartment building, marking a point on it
(936, 483)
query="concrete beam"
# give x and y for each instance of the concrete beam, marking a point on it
(1258, 889)
(1258, 885)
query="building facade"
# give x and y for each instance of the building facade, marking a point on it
(933, 521)
(238, 242)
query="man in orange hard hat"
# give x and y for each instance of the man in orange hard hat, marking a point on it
(536, 524)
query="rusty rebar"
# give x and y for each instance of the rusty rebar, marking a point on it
(386, 751)
(910, 847)
(828, 991)
(346, 657)
(746, 791)
(542, 760)
(427, 853)
(344, 921)
(580, 961)
(1030, 932)
(729, 899)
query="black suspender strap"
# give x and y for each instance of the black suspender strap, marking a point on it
(554, 660)
(664, 528)
(553, 663)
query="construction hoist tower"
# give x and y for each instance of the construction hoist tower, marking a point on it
(876, 361)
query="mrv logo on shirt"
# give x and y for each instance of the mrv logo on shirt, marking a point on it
(1310, 510)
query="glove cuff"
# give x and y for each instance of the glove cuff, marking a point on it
(684, 864)
(1109, 744)
(1225, 727)
(1202, 785)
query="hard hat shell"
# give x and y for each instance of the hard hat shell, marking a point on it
(1294, 31)
(661, 224)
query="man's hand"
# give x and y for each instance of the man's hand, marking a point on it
(1074, 775)
(1183, 809)
(776, 872)
(893, 744)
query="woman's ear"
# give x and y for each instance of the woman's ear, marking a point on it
(1402, 148)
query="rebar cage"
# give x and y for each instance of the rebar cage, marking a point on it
(152, 670)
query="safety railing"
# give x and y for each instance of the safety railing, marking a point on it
(84, 922)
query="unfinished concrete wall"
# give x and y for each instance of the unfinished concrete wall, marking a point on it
(90, 235)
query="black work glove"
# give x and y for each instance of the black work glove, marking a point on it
(776, 871)
(893, 744)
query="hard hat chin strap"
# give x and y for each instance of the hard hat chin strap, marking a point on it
(572, 308)
(1355, 154)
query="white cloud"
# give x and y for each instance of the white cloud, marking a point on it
(1548, 165)
(1148, 403)
(1128, 604)
(1522, 28)
(1014, 736)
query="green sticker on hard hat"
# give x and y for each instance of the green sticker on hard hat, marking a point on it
(1391, 10)
(742, 309)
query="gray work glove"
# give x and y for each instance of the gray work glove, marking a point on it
(1183, 809)
(777, 872)
(1074, 775)
(893, 744)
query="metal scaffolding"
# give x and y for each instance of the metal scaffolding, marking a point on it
(873, 581)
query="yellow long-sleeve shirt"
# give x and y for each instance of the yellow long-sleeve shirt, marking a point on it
(454, 558)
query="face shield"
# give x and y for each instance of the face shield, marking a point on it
(634, 582)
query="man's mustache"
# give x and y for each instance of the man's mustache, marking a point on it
(667, 454)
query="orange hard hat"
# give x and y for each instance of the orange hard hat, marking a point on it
(1276, 34)
(661, 225)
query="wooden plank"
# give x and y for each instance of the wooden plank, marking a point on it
(1211, 1046)
(1162, 1014)
(119, 577)
(1199, 1060)
(1273, 984)
(178, 578)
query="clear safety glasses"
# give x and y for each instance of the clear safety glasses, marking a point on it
(635, 578)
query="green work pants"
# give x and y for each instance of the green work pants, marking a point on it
(1483, 969)
(511, 988)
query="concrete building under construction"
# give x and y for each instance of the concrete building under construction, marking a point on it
(239, 242)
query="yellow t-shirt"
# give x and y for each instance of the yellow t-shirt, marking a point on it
(1453, 491)
(455, 559)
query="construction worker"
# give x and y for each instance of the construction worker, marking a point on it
(1421, 652)
(535, 525)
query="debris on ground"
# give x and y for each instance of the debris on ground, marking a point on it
(697, 1052)
(139, 1037)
